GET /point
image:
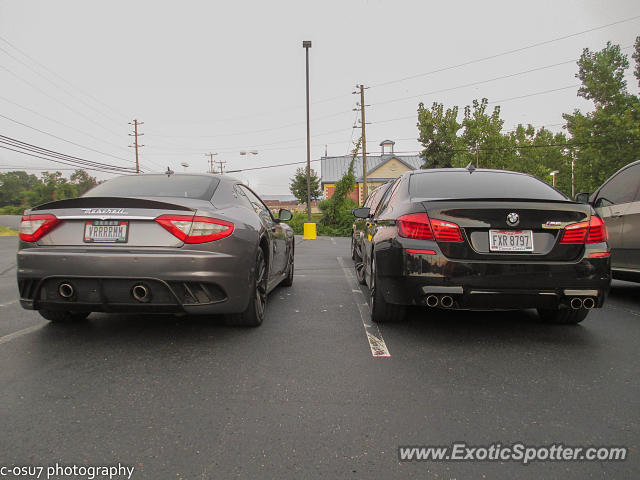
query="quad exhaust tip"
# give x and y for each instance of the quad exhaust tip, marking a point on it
(432, 301)
(588, 303)
(66, 290)
(446, 301)
(141, 293)
(576, 303)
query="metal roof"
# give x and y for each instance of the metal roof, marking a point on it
(333, 169)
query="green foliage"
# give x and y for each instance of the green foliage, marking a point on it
(298, 185)
(636, 57)
(607, 138)
(600, 142)
(438, 132)
(19, 190)
(336, 211)
(602, 75)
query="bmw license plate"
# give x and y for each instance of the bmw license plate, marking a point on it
(511, 240)
(106, 231)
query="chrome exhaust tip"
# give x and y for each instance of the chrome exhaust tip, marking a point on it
(588, 303)
(66, 290)
(432, 301)
(576, 303)
(446, 301)
(141, 293)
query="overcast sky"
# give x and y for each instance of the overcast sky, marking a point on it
(213, 76)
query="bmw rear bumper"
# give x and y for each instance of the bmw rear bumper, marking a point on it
(178, 280)
(410, 279)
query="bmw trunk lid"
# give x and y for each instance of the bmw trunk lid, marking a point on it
(509, 229)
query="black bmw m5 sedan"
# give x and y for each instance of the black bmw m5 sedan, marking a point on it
(476, 239)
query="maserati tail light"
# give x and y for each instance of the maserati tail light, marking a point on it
(34, 227)
(196, 229)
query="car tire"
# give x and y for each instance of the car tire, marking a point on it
(359, 267)
(353, 248)
(563, 316)
(254, 313)
(381, 311)
(61, 316)
(288, 281)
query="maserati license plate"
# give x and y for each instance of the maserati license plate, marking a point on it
(106, 231)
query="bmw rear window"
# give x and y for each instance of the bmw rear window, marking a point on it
(480, 184)
(182, 186)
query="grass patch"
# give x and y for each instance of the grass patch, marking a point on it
(7, 232)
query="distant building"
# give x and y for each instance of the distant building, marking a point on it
(380, 169)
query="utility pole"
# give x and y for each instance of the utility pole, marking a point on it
(364, 140)
(220, 164)
(306, 44)
(135, 134)
(211, 155)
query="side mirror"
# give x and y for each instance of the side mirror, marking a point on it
(582, 197)
(284, 215)
(362, 212)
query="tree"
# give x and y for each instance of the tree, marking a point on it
(14, 187)
(607, 138)
(83, 181)
(482, 132)
(336, 211)
(438, 133)
(298, 185)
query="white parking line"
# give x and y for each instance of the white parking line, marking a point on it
(376, 342)
(20, 333)
(8, 303)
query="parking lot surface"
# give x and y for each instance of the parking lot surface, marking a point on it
(307, 395)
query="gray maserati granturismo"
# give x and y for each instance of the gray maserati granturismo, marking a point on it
(168, 243)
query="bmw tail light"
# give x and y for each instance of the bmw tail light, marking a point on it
(195, 229)
(415, 225)
(597, 230)
(593, 231)
(34, 227)
(446, 231)
(421, 227)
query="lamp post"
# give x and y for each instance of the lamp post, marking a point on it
(306, 44)
(553, 176)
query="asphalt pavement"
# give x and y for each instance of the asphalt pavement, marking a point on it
(306, 395)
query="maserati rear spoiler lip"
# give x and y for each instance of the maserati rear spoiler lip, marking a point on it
(109, 205)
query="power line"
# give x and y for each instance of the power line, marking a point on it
(63, 139)
(35, 112)
(61, 156)
(62, 162)
(508, 52)
(48, 79)
(89, 95)
(65, 105)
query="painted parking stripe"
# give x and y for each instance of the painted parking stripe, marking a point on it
(12, 302)
(376, 342)
(20, 333)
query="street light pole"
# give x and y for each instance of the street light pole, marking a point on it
(306, 44)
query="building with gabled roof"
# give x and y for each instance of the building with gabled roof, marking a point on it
(380, 169)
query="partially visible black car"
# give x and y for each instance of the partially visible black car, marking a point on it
(359, 230)
(617, 201)
(466, 238)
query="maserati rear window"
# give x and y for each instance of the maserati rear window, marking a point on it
(183, 186)
(480, 184)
